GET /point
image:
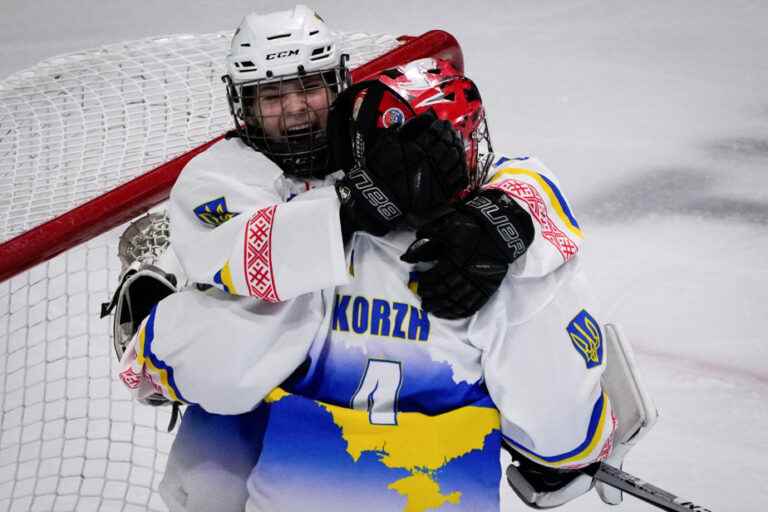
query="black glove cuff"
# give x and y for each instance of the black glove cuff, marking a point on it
(363, 207)
(509, 225)
(371, 196)
(542, 478)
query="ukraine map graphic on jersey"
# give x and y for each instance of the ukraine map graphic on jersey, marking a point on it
(417, 460)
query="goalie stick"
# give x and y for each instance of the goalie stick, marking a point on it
(640, 489)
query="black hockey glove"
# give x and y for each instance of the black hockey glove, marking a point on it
(409, 171)
(544, 487)
(472, 246)
(366, 204)
(423, 163)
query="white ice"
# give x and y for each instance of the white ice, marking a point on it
(655, 116)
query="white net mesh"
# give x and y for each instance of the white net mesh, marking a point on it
(71, 438)
(75, 126)
(72, 128)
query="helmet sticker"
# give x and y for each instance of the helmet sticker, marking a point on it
(392, 116)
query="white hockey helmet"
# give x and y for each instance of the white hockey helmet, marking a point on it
(268, 46)
(281, 55)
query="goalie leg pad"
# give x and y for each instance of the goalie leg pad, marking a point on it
(632, 405)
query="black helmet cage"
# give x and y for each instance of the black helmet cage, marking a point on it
(302, 154)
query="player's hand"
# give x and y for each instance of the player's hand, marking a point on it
(410, 170)
(366, 204)
(422, 162)
(471, 246)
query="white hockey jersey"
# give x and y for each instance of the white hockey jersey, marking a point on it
(351, 383)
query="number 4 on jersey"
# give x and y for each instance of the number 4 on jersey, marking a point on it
(378, 391)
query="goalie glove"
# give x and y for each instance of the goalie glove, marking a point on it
(150, 272)
(472, 246)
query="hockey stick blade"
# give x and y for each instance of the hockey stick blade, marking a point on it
(642, 490)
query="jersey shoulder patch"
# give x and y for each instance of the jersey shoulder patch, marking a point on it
(586, 338)
(214, 213)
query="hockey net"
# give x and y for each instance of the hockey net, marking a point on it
(89, 141)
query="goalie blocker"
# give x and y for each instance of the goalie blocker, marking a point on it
(543, 487)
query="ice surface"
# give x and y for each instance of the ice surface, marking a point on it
(655, 116)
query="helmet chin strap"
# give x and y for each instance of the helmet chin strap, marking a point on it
(310, 165)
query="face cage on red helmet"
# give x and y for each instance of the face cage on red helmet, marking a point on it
(303, 153)
(479, 153)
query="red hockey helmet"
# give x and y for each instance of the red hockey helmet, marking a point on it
(423, 85)
(435, 85)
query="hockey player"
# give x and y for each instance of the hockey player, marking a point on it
(342, 374)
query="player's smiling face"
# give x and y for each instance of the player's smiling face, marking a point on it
(291, 107)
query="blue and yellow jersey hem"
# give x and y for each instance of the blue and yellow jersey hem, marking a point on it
(591, 445)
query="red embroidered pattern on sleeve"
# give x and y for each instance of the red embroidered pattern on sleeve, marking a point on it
(538, 210)
(257, 260)
(134, 380)
(130, 378)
